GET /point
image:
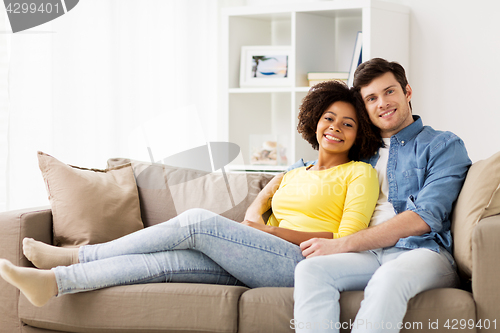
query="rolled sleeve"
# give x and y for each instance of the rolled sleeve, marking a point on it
(446, 172)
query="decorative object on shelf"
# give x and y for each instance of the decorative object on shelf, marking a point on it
(317, 77)
(265, 66)
(357, 57)
(267, 150)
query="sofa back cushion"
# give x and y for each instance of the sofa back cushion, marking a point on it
(478, 199)
(166, 191)
(90, 206)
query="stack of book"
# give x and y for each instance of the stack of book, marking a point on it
(317, 77)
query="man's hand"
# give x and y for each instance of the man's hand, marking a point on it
(386, 234)
(259, 226)
(320, 246)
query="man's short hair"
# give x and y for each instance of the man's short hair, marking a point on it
(373, 68)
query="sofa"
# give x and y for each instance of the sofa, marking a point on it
(179, 307)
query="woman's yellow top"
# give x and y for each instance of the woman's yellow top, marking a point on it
(340, 200)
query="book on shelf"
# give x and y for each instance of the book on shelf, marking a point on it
(357, 58)
(314, 82)
(317, 77)
(327, 75)
(347, 77)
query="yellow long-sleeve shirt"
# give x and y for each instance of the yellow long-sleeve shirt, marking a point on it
(340, 200)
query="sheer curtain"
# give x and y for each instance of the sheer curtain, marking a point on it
(109, 78)
(4, 109)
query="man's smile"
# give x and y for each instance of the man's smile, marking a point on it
(387, 113)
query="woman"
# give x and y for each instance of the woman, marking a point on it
(333, 198)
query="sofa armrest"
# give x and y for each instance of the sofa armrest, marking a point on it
(486, 271)
(14, 226)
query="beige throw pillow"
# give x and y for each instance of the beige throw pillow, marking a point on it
(90, 206)
(479, 198)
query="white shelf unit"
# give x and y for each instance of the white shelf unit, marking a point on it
(322, 37)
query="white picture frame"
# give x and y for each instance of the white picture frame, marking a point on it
(265, 66)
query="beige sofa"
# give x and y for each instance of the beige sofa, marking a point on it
(180, 307)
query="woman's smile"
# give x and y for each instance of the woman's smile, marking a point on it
(333, 138)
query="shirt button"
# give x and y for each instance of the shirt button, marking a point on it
(402, 142)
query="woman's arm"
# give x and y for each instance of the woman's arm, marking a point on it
(293, 236)
(361, 198)
(262, 202)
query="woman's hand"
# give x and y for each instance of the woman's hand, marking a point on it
(292, 236)
(262, 202)
(255, 217)
(259, 226)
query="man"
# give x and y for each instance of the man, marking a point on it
(406, 249)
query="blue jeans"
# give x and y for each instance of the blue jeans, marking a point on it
(197, 246)
(389, 278)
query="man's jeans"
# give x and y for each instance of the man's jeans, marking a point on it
(389, 277)
(197, 246)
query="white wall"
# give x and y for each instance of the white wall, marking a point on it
(453, 71)
(454, 68)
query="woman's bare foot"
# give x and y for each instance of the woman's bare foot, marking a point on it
(39, 286)
(48, 256)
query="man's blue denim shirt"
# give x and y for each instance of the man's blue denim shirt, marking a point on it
(426, 170)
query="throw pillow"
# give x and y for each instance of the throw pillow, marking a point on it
(90, 206)
(478, 199)
(167, 191)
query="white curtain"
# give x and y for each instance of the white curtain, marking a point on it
(4, 109)
(108, 79)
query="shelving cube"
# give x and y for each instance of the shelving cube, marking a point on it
(322, 37)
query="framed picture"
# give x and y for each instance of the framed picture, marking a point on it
(264, 66)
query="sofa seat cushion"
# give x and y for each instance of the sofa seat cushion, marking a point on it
(273, 308)
(176, 307)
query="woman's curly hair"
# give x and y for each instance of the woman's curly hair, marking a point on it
(319, 98)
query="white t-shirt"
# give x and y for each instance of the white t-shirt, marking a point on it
(384, 210)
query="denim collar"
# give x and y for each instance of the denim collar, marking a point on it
(410, 131)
